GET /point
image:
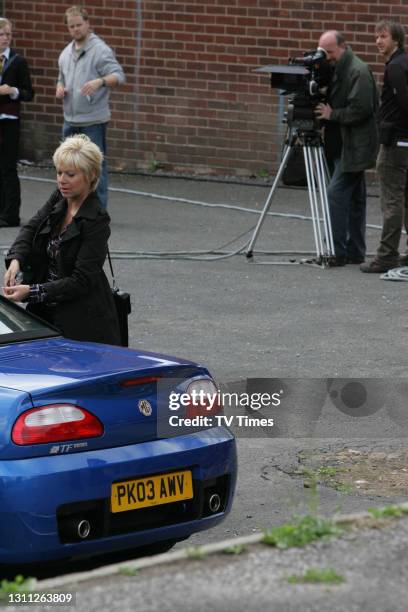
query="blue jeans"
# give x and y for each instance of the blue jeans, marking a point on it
(97, 133)
(347, 203)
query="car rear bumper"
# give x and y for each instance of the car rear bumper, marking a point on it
(39, 496)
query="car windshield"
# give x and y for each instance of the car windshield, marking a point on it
(16, 324)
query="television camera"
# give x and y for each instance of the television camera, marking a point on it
(306, 79)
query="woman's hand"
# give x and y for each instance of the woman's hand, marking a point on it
(17, 293)
(12, 271)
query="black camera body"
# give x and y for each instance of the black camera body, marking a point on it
(305, 79)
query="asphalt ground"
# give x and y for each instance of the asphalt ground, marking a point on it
(373, 567)
(258, 319)
(241, 318)
(367, 558)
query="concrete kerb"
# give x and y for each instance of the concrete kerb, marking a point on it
(355, 519)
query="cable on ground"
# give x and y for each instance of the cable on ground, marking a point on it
(396, 274)
(205, 255)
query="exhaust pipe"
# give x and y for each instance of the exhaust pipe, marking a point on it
(83, 529)
(214, 503)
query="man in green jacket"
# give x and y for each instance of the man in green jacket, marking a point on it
(351, 145)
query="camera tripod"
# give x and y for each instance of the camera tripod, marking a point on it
(317, 176)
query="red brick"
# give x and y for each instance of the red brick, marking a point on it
(200, 104)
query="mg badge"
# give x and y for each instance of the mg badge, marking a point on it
(145, 407)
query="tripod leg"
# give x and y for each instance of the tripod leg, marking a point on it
(321, 169)
(311, 187)
(269, 200)
(328, 250)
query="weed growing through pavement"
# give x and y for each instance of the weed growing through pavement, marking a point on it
(263, 173)
(195, 552)
(388, 511)
(317, 576)
(236, 549)
(327, 471)
(325, 475)
(301, 531)
(128, 571)
(18, 585)
(154, 165)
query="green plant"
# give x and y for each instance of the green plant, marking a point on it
(18, 585)
(302, 531)
(317, 576)
(325, 474)
(263, 173)
(128, 571)
(388, 511)
(327, 471)
(236, 549)
(154, 165)
(195, 552)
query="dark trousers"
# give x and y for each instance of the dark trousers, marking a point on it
(347, 203)
(10, 197)
(392, 169)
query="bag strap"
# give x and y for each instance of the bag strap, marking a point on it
(111, 271)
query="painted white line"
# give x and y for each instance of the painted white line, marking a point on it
(158, 196)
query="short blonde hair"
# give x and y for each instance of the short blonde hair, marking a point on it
(76, 11)
(80, 153)
(5, 22)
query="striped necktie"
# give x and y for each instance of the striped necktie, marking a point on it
(2, 63)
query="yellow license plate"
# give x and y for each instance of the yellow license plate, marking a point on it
(151, 491)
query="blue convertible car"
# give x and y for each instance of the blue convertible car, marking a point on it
(89, 462)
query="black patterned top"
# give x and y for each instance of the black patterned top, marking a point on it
(37, 291)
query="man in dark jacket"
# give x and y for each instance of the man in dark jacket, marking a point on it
(392, 162)
(15, 86)
(351, 145)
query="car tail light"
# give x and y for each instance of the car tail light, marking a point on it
(132, 382)
(204, 398)
(55, 423)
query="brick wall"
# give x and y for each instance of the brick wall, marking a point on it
(192, 103)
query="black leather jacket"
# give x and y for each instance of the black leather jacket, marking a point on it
(394, 96)
(84, 307)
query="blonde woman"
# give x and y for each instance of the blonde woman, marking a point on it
(60, 252)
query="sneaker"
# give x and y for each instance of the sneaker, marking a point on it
(377, 267)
